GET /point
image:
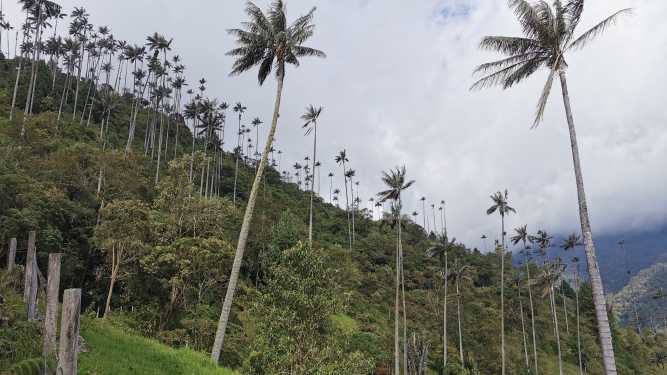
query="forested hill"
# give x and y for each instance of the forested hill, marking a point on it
(329, 307)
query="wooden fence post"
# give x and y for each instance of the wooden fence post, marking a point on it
(52, 293)
(68, 351)
(30, 285)
(11, 257)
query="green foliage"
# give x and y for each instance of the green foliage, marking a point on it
(294, 320)
(33, 366)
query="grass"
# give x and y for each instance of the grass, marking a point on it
(111, 350)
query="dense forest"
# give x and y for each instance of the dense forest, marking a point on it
(145, 192)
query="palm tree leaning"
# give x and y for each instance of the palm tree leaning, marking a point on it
(396, 183)
(522, 236)
(266, 41)
(548, 36)
(501, 205)
(311, 116)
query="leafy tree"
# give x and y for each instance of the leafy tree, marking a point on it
(122, 234)
(294, 330)
(266, 41)
(549, 34)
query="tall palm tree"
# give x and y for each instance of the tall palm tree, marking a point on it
(549, 33)
(310, 117)
(435, 227)
(396, 183)
(423, 200)
(501, 205)
(330, 175)
(341, 159)
(551, 276)
(459, 274)
(350, 176)
(266, 41)
(571, 243)
(240, 109)
(521, 235)
(439, 250)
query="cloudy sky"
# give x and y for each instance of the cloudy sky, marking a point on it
(395, 91)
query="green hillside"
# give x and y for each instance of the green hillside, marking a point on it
(171, 286)
(644, 298)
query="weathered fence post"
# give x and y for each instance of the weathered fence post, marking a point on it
(68, 351)
(52, 292)
(30, 286)
(11, 257)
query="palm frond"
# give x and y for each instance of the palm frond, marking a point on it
(499, 77)
(503, 63)
(542, 103)
(510, 45)
(596, 30)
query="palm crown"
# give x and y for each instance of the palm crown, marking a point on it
(500, 204)
(396, 183)
(268, 41)
(549, 33)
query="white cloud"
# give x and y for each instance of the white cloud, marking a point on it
(395, 91)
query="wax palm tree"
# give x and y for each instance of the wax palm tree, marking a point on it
(460, 274)
(330, 175)
(396, 183)
(501, 205)
(543, 241)
(268, 42)
(550, 277)
(240, 109)
(341, 159)
(571, 243)
(310, 117)
(439, 249)
(549, 33)
(256, 122)
(423, 200)
(521, 235)
(350, 176)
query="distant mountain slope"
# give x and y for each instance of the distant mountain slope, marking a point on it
(642, 294)
(642, 250)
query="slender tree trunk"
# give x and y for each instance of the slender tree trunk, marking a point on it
(245, 228)
(458, 313)
(444, 319)
(532, 316)
(502, 293)
(523, 329)
(238, 156)
(604, 330)
(16, 88)
(405, 312)
(347, 209)
(576, 295)
(115, 265)
(397, 350)
(562, 296)
(50, 320)
(552, 296)
(312, 189)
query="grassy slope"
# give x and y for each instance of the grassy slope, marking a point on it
(112, 350)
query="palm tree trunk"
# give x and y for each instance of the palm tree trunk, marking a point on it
(115, 265)
(245, 228)
(238, 155)
(502, 293)
(405, 313)
(16, 87)
(604, 330)
(562, 296)
(347, 209)
(397, 350)
(458, 313)
(312, 186)
(576, 294)
(553, 309)
(523, 329)
(532, 315)
(444, 320)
